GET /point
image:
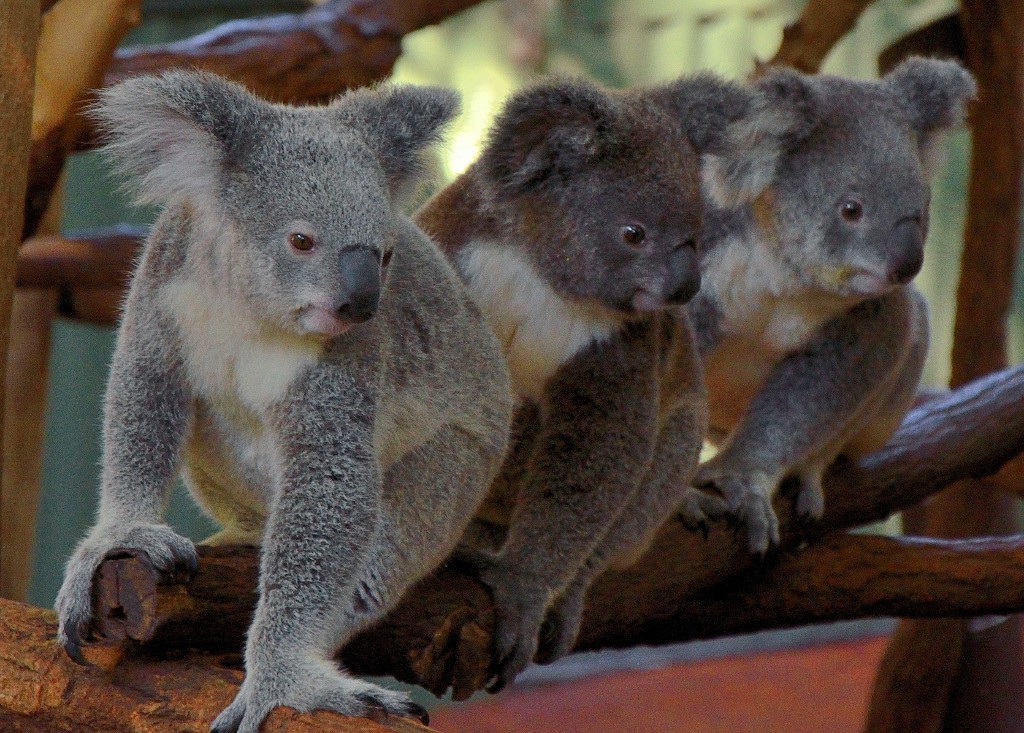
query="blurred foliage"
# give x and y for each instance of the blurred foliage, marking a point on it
(486, 53)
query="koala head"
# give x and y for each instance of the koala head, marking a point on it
(292, 208)
(602, 191)
(836, 170)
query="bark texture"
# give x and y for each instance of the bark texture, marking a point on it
(42, 691)
(19, 31)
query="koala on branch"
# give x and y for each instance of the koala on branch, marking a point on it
(576, 232)
(305, 358)
(812, 334)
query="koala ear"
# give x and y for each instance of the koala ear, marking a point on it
(781, 112)
(399, 123)
(172, 133)
(545, 133)
(934, 92)
(704, 105)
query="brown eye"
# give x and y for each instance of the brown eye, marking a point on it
(301, 242)
(633, 234)
(851, 210)
(386, 259)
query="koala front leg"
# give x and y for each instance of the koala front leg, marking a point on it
(596, 442)
(325, 530)
(146, 420)
(808, 405)
(660, 492)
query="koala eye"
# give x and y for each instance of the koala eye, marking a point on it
(851, 210)
(633, 234)
(301, 242)
(690, 243)
(385, 259)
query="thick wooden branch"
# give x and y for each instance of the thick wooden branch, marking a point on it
(685, 586)
(806, 42)
(41, 690)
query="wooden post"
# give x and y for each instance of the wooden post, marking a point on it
(941, 675)
(19, 32)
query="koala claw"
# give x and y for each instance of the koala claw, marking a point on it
(747, 495)
(168, 551)
(312, 689)
(699, 509)
(519, 606)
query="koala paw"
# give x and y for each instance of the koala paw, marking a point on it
(309, 687)
(168, 551)
(519, 607)
(748, 495)
(561, 626)
(699, 509)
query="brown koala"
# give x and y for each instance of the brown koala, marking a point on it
(576, 233)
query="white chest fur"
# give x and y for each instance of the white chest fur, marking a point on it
(538, 329)
(228, 355)
(765, 317)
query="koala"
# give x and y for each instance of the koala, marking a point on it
(306, 357)
(576, 232)
(812, 335)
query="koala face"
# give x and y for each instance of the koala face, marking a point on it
(850, 203)
(310, 207)
(296, 204)
(602, 192)
(836, 170)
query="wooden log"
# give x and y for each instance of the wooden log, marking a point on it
(806, 42)
(28, 362)
(41, 690)
(19, 30)
(441, 631)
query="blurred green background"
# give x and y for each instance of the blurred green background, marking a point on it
(486, 53)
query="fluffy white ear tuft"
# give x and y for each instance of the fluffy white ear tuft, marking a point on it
(172, 134)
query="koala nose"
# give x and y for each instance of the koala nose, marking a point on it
(360, 276)
(685, 269)
(906, 252)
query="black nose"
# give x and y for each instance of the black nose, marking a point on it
(906, 252)
(360, 276)
(685, 269)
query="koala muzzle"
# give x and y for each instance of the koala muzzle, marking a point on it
(906, 252)
(685, 279)
(360, 276)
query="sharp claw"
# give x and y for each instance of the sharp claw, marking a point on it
(495, 685)
(73, 647)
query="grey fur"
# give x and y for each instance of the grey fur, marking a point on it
(357, 459)
(608, 437)
(813, 337)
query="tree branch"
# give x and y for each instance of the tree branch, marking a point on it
(441, 632)
(42, 690)
(806, 42)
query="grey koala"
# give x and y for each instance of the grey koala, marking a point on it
(306, 357)
(577, 236)
(813, 337)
